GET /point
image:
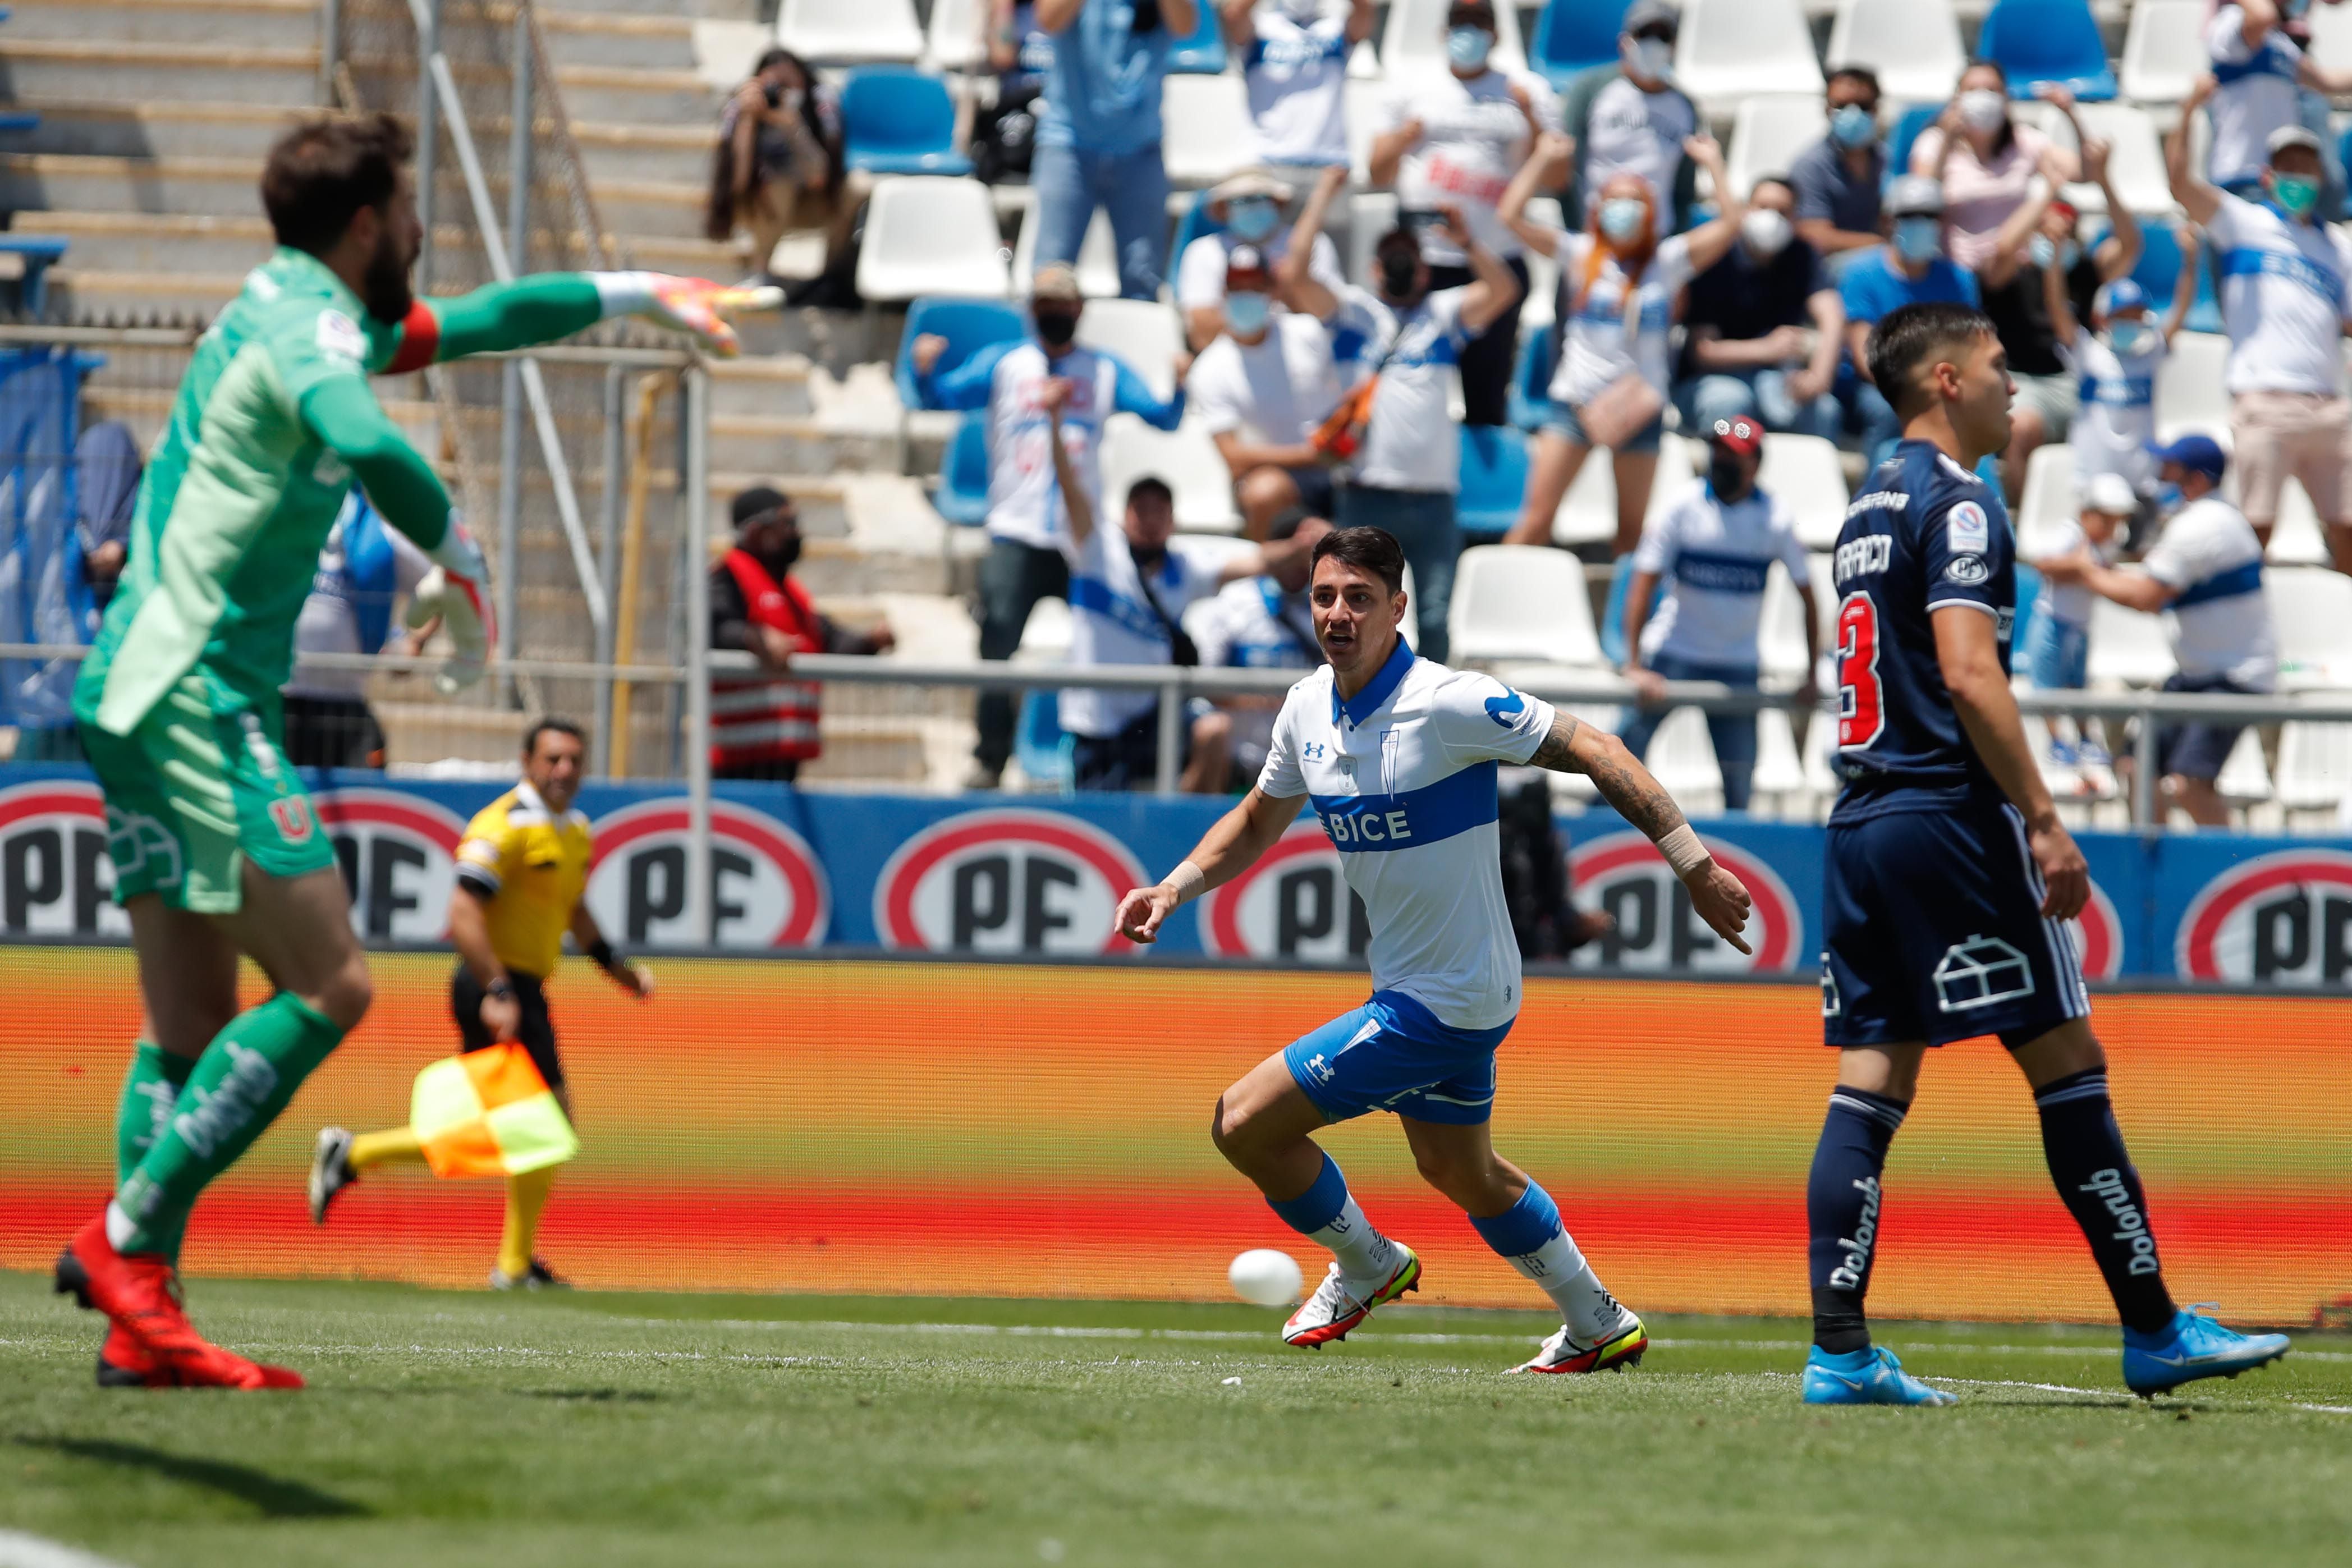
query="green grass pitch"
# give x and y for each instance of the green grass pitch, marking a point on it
(586, 1429)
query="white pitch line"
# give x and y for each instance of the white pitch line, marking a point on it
(19, 1550)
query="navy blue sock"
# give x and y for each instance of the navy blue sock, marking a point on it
(2085, 1149)
(1842, 1211)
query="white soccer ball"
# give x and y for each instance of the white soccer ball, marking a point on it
(1265, 1277)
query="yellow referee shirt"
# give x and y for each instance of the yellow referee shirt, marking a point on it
(531, 867)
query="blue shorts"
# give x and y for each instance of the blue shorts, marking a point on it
(1392, 1054)
(1933, 931)
(2057, 655)
(1562, 421)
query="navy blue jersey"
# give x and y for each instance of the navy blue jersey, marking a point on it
(1924, 534)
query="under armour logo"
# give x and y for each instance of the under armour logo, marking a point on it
(1505, 709)
(1315, 749)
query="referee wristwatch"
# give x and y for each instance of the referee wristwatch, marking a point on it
(502, 988)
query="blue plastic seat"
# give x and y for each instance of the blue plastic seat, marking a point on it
(900, 122)
(1530, 394)
(1203, 54)
(38, 250)
(1494, 477)
(969, 326)
(1039, 744)
(962, 495)
(2157, 271)
(1197, 223)
(2048, 40)
(1907, 127)
(1574, 35)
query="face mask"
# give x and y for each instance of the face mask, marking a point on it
(1056, 328)
(1622, 218)
(1247, 314)
(1467, 48)
(1399, 269)
(1652, 59)
(781, 558)
(2129, 339)
(1765, 232)
(1918, 239)
(1982, 108)
(1726, 475)
(2043, 251)
(1251, 218)
(1853, 126)
(2297, 195)
(2169, 498)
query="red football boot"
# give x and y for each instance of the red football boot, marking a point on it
(141, 1294)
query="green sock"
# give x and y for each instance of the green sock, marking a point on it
(148, 1095)
(243, 1080)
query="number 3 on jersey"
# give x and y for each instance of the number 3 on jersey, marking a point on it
(1862, 714)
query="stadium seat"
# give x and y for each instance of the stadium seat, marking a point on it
(1204, 127)
(1907, 127)
(964, 478)
(2158, 272)
(1530, 397)
(1494, 477)
(1097, 257)
(2136, 166)
(2331, 38)
(844, 32)
(1045, 634)
(2311, 608)
(1820, 754)
(900, 122)
(1588, 513)
(1366, 100)
(1196, 224)
(1039, 744)
(2047, 40)
(1521, 602)
(1728, 49)
(1806, 473)
(2189, 391)
(1413, 42)
(1682, 759)
(1186, 457)
(969, 326)
(1914, 45)
(1142, 334)
(1574, 35)
(1768, 133)
(2164, 49)
(2245, 776)
(2297, 537)
(930, 233)
(952, 42)
(2048, 498)
(1542, 302)
(1202, 52)
(2128, 647)
(1780, 633)
(1779, 775)
(1370, 214)
(2315, 766)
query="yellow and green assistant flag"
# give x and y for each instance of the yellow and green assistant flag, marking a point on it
(489, 1113)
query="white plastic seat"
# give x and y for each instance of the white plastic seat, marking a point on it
(1521, 602)
(1682, 759)
(2164, 49)
(2314, 766)
(1370, 214)
(952, 42)
(850, 31)
(1779, 772)
(1805, 473)
(1768, 133)
(1097, 262)
(1186, 457)
(1204, 127)
(2297, 537)
(2048, 500)
(1780, 635)
(1413, 42)
(1366, 100)
(2128, 647)
(2135, 164)
(2311, 615)
(2331, 39)
(929, 234)
(2245, 776)
(1046, 636)
(1914, 45)
(1142, 334)
(1728, 49)
(2188, 390)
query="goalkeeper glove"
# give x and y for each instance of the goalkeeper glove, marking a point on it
(453, 590)
(694, 306)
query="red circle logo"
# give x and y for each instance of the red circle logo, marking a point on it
(767, 886)
(2284, 919)
(1623, 875)
(1005, 881)
(2098, 937)
(398, 854)
(56, 878)
(1293, 903)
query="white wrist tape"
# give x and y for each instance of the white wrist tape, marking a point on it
(1683, 850)
(1188, 880)
(624, 293)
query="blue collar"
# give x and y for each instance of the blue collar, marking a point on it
(1376, 692)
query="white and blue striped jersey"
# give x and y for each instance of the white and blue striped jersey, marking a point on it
(2116, 421)
(2283, 298)
(1402, 775)
(2220, 619)
(1714, 560)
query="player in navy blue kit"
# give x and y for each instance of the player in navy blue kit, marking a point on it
(1949, 875)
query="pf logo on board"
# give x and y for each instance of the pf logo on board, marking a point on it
(1293, 903)
(56, 877)
(1005, 882)
(767, 888)
(1623, 875)
(2284, 919)
(398, 856)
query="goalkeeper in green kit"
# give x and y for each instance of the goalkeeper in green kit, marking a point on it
(217, 849)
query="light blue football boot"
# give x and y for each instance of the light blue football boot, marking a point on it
(2191, 1347)
(1870, 1376)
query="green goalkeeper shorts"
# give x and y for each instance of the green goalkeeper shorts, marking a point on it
(198, 788)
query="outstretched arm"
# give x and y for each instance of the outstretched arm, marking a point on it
(1626, 785)
(1224, 852)
(545, 306)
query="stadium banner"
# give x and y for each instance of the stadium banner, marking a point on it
(794, 870)
(1005, 1128)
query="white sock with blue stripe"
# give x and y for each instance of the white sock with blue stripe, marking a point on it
(1530, 1238)
(1327, 1215)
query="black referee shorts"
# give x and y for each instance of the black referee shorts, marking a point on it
(535, 1033)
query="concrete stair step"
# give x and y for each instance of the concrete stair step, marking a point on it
(618, 38)
(130, 128)
(283, 75)
(775, 385)
(264, 24)
(678, 154)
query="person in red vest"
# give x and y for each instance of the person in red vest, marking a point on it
(765, 726)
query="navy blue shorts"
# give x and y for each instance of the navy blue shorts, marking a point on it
(2198, 751)
(1933, 931)
(1392, 1054)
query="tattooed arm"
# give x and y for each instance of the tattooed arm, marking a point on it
(1626, 785)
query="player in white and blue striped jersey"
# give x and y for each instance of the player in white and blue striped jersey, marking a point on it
(1398, 756)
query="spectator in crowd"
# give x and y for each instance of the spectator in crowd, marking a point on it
(106, 468)
(1027, 510)
(1535, 871)
(1004, 130)
(1910, 268)
(1712, 550)
(2265, 82)
(1248, 211)
(1406, 453)
(2117, 362)
(2057, 651)
(1631, 118)
(2205, 573)
(1294, 56)
(1837, 180)
(765, 726)
(2283, 303)
(1130, 588)
(1263, 392)
(1099, 137)
(1618, 284)
(1262, 623)
(778, 165)
(1764, 328)
(56, 572)
(363, 568)
(1457, 139)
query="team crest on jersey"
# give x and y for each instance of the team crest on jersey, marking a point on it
(339, 337)
(1967, 530)
(1980, 971)
(292, 816)
(1968, 568)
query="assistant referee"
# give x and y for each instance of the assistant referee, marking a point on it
(522, 874)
